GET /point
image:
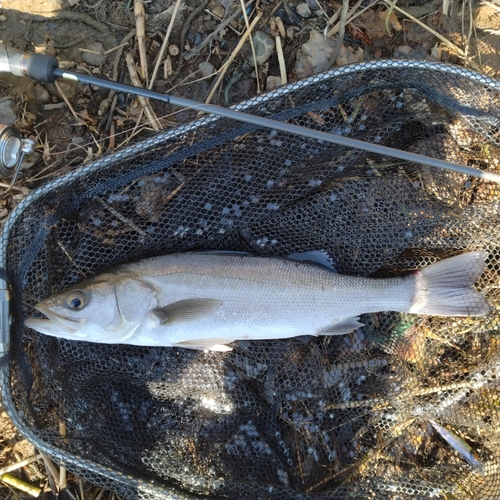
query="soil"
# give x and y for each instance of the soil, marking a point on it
(68, 137)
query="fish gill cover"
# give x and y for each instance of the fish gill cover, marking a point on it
(312, 417)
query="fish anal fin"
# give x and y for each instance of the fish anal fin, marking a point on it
(343, 326)
(186, 310)
(205, 344)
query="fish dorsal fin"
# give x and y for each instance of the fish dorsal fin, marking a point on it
(205, 344)
(186, 310)
(320, 257)
(345, 325)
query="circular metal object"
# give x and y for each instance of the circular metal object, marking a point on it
(11, 150)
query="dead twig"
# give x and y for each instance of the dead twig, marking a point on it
(21, 463)
(20, 485)
(225, 66)
(458, 51)
(281, 61)
(62, 471)
(165, 43)
(196, 50)
(121, 217)
(353, 14)
(340, 37)
(140, 26)
(78, 118)
(52, 473)
(71, 16)
(184, 31)
(144, 102)
(256, 66)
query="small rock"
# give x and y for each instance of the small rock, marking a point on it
(3, 18)
(407, 52)
(303, 10)
(92, 58)
(403, 50)
(313, 57)
(264, 46)
(206, 68)
(42, 94)
(7, 111)
(219, 11)
(273, 82)
(347, 55)
(314, 5)
(374, 23)
(69, 89)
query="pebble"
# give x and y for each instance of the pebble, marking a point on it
(349, 55)
(206, 68)
(313, 57)
(3, 18)
(69, 89)
(42, 94)
(7, 111)
(264, 46)
(303, 10)
(273, 82)
(219, 11)
(94, 59)
(404, 50)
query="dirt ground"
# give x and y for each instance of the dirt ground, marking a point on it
(74, 123)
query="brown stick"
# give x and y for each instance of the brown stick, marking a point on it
(144, 102)
(223, 69)
(164, 44)
(140, 26)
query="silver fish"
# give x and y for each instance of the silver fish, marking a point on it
(205, 301)
(459, 445)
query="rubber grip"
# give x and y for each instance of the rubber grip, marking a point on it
(41, 67)
(37, 66)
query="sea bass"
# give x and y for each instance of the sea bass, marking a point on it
(205, 301)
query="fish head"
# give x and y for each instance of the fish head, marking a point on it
(107, 309)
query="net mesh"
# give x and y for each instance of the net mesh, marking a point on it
(310, 417)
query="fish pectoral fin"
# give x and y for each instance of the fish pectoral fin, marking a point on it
(186, 310)
(345, 325)
(205, 344)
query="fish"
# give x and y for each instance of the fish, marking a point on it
(460, 446)
(208, 300)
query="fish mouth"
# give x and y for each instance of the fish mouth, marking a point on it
(56, 325)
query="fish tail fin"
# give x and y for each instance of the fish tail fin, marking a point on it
(445, 288)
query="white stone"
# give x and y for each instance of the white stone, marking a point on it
(91, 57)
(303, 10)
(206, 68)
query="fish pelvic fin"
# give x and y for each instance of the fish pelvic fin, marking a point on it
(186, 310)
(345, 325)
(445, 288)
(205, 344)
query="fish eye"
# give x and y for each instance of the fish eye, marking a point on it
(76, 300)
